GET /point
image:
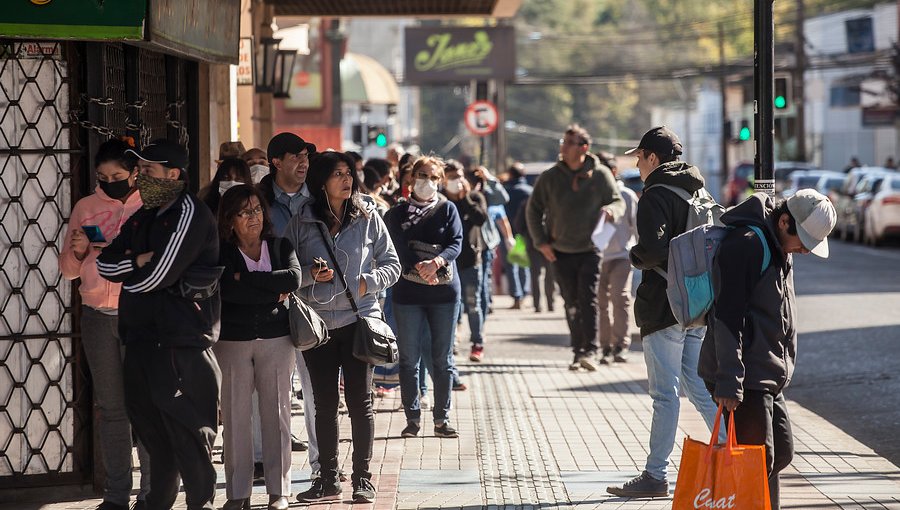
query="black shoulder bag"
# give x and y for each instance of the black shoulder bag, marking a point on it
(374, 341)
(308, 330)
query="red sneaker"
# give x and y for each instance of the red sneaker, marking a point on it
(477, 353)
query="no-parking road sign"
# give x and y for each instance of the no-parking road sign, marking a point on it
(481, 118)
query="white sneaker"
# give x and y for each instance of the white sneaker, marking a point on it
(424, 402)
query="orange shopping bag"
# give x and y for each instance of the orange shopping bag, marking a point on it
(722, 476)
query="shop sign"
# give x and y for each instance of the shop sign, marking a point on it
(245, 62)
(457, 54)
(74, 19)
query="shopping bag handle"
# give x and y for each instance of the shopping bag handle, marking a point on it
(730, 441)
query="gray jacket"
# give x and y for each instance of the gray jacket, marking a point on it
(626, 227)
(364, 251)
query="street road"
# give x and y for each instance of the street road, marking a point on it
(848, 366)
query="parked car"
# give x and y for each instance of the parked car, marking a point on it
(883, 213)
(845, 203)
(632, 179)
(784, 170)
(866, 189)
(829, 185)
(807, 179)
(736, 189)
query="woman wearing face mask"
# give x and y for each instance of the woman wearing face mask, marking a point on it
(427, 231)
(341, 230)
(231, 172)
(114, 200)
(258, 162)
(254, 350)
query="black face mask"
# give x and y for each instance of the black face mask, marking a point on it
(115, 190)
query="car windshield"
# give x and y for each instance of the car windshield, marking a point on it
(807, 181)
(833, 183)
(895, 184)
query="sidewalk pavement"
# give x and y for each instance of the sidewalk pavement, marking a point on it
(535, 435)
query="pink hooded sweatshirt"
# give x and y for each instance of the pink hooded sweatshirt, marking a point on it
(109, 214)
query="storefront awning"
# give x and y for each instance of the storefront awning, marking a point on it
(364, 80)
(410, 8)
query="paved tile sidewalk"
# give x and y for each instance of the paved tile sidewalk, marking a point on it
(536, 435)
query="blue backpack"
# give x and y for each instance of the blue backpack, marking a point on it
(689, 284)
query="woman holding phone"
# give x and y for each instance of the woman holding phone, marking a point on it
(344, 251)
(96, 220)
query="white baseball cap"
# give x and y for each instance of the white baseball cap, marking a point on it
(815, 217)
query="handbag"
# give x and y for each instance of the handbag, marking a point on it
(425, 251)
(518, 254)
(198, 283)
(722, 476)
(308, 329)
(374, 342)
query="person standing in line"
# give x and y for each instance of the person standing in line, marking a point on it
(472, 209)
(231, 172)
(428, 237)
(258, 162)
(670, 351)
(566, 205)
(615, 277)
(114, 200)
(342, 228)
(518, 190)
(285, 192)
(164, 253)
(255, 351)
(748, 355)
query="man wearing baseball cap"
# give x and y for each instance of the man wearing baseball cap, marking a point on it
(162, 256)
(285, 187)
(747, 357)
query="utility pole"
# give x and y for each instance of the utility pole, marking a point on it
(799, 89)
(763, 82)
(723, 86)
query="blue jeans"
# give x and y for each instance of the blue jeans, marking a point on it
(471, 281)
(487, 288)
(441, 321)
(671, 355)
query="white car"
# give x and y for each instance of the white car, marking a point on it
(883, 213)
(806, 179)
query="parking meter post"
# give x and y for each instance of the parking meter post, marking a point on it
(763, 105)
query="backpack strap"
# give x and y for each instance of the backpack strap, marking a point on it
(767, 255)
(681, 192)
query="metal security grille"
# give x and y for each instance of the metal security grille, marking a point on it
(39, 417)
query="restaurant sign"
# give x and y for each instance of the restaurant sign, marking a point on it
(456, 54)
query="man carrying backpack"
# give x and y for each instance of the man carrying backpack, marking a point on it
(748, 355)
(670, 351)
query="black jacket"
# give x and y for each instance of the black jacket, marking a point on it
(473, 212)
(181, 237)
(250, 305)
(751, 341)
(661, 215)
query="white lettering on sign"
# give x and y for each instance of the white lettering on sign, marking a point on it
(245, 61)
(704, 500)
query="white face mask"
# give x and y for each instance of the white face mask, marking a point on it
(454, 186)
(257, 172)
(226, 185)
(424, 189)
(360, 176)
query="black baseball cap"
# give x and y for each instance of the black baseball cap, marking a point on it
(284, 143)
(165, 152)
(661, 140)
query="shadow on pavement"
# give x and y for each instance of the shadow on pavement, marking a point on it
(851, 378)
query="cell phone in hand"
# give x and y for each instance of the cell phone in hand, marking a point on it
(94, 234)
(321, 264)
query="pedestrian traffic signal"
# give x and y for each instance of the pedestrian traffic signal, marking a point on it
(781, 93)
(744, 133)
(377, 136)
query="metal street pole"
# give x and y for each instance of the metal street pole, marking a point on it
(723, 90)
(764, 85)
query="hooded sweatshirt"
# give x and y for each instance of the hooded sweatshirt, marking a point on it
(751, 342)
(565, 205)
(661, 215)
(109, 214)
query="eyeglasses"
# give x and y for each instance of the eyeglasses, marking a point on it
(563, 141)
(249, 213)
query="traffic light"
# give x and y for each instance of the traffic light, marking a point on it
(781, 93)
(744, 133)
(356, 134)
(377, 136)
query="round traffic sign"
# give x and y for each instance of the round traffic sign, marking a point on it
(481, 118)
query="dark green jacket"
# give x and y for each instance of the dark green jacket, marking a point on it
(565, 205)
